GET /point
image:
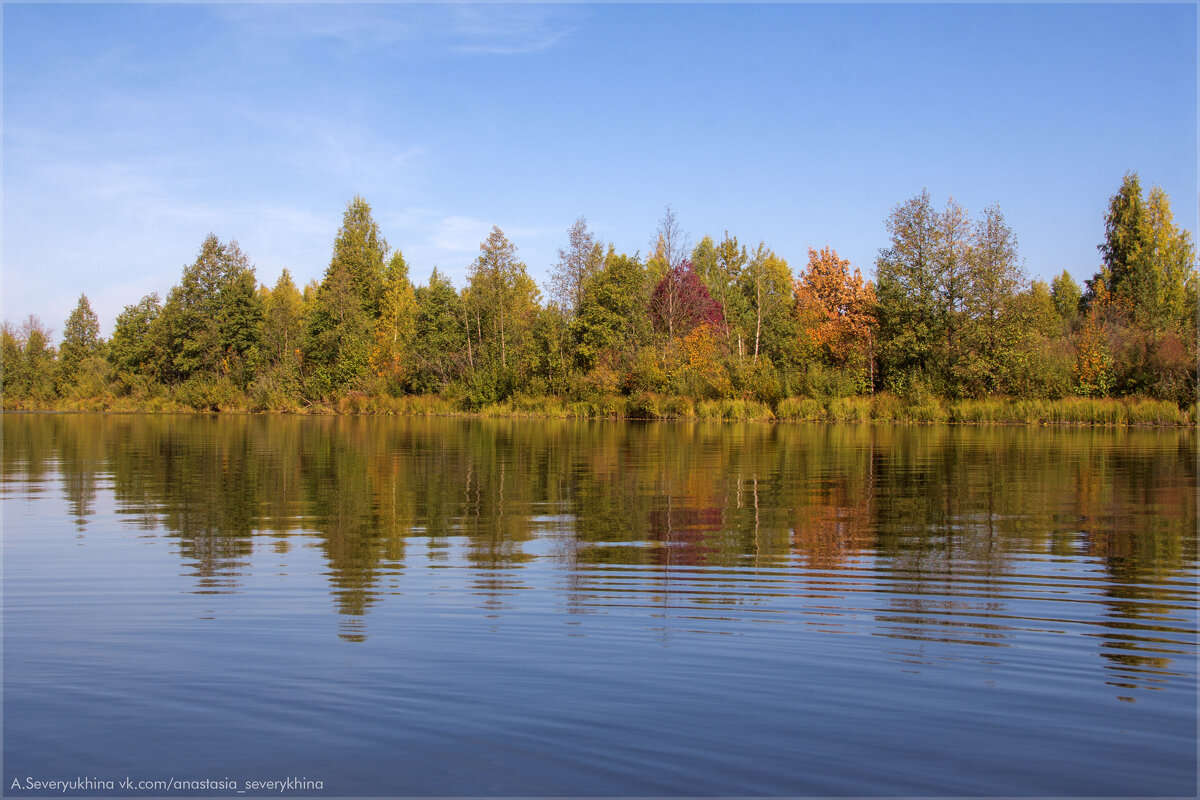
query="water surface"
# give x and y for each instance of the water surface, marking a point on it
(482, 607)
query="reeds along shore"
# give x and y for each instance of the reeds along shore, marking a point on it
(878, 408)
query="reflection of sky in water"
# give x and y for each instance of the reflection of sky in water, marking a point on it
(1037, 578)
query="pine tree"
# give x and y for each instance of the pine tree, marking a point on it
(362, 251)
(210, 324)
(1066, 295)
(81, 340)
(341, 327)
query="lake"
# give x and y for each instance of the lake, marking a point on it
(390, 607)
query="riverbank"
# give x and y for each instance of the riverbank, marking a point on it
(881, 408)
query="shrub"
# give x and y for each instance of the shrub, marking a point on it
(830, 382)
(643, 405)
(208, 394)
(676, 407)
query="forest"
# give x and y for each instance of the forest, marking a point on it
(950, 329)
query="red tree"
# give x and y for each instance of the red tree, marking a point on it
(681, 302)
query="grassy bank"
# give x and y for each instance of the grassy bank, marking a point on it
(879, 408)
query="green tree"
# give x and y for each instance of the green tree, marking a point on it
(29, 360)
(767, 290)
(1171, 256)
(1148, 262)
(361, 250)
(501, 301)
(240, 326)
(339, 341)
(12, 376)
(210, 324)
(720, 266)
(440, 336)
(132, 350)
(955, 250)
(994, 276)
(1124, 271)
(908, 287)
(1029, 356)
(1066, 295)
(612, 321)
(81, 341)
(1141, 304)
(346, 305)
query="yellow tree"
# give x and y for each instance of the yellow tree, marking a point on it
(396, 327)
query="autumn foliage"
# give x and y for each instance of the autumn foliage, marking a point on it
(835, 309)
(680, 302)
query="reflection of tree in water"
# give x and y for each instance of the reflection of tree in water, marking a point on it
(950, 522)
(337, 467)
(942, 535)
(1142, 530)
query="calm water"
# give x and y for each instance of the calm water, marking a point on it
(476, 607)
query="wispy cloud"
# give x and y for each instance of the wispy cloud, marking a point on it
(510, 30)
(463, 28)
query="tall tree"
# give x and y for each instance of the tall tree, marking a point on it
(1143, 298)
(720, 266)
(611, 320)
(212, 318)
(132, 346)
(582, 258)
(501, 300)
(842, 307)
(1123, 269)
(670, 246)
(440, 338)
(1171, 257)
(907, 282)
(767, 291)
(953, 260)
(361, 250)
(81, 340)
(995, 277)
(283, 328)
(1066, 294)
(342, 320)
(395, 328)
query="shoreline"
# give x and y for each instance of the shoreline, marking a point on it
(1125, 412)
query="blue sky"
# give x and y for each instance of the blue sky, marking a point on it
(132, 131)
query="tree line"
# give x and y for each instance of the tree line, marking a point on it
(950, 314)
